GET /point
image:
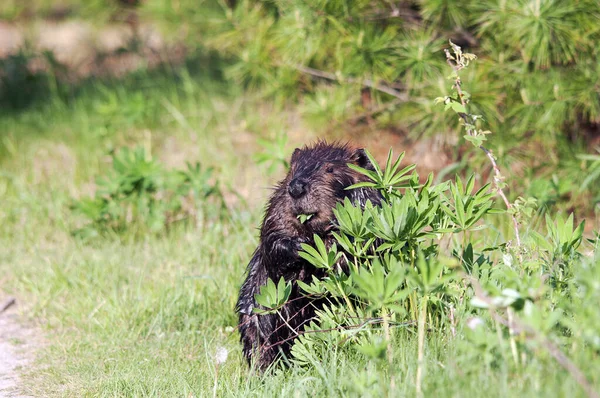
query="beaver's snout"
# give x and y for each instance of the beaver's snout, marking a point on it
(297, 188)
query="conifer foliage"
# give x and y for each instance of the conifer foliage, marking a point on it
(538, 74)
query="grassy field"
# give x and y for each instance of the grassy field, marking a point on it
(143, 314)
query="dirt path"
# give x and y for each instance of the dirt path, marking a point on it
(16, 349)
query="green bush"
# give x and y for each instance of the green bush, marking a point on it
(138, 192)
(539, 69)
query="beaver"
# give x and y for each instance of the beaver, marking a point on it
(317, 180)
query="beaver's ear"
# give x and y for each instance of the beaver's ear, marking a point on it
(295, 156)
(361, 159)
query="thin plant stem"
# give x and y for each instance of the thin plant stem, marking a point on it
(388, 340)
(287, 324)
(386, 330)
(511, 332)
(497, 175)
(216, 381)
(421, 345)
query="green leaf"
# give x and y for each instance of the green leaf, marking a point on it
(272, 296)
(476, 141)
(458, 107)
(304, 217)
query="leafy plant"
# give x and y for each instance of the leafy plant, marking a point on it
(274, 153)
(272, 296)
(139, 192)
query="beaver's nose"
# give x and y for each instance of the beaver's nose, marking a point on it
(297, 188)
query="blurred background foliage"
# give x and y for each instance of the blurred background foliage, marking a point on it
(536, 83)
(359, 66)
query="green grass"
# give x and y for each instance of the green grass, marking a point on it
(130, 316)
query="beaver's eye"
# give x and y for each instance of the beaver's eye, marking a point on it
(330, 169)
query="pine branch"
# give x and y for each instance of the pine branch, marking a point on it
(403, 96)
(380, 109)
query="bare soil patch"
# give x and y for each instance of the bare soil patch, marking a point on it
(17, 349)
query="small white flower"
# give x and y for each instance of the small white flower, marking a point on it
(474, 323)
(221, 355)
(229, 329)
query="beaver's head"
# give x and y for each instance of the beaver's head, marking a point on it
(318, 178)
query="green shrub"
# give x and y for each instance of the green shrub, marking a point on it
(539, 58)
(138, 192)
